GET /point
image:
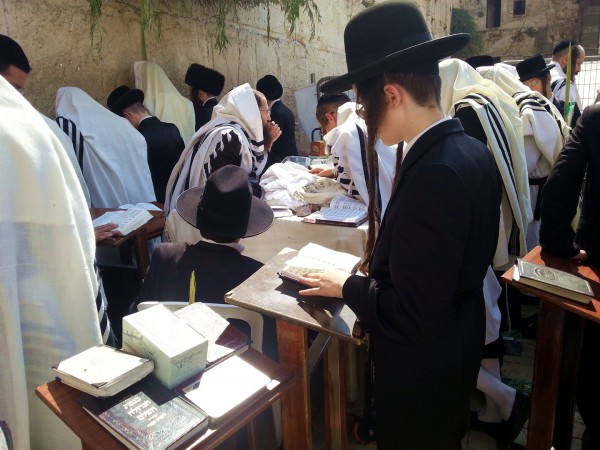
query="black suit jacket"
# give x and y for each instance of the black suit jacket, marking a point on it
(164, 149)
(203, 112)
(560, 196)
(423, 299)
(286, 144)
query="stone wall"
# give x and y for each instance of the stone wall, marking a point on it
(55, 36)
(544, 23)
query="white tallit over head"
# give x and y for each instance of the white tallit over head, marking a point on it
(115, 154)
(462, 86)
(68, 146)
(47, 280)
(163, 99)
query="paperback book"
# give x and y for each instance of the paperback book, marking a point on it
(342, 210)
(126, 221)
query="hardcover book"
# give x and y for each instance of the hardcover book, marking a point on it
(103, 371)
(178, 351)
(126, 221)
(554, 281)
(342, 210)
(147, 416)
(314, 258)
(224, 339)
(224, 387)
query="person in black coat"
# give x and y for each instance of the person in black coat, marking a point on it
(282, 116)
(205, 86)
(224, 211)
(163, 139)
(579, 160)
(422, 300)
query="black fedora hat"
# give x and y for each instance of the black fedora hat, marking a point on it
(480, 61)
(225, 207)
(391, 37)
(270, 86)
(123, 97)
(533, 67)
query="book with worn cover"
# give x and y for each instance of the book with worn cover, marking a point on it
(147, 416)
(553, 280)
(342, 210)
(126, 221)
(178, 351)
(224, 387)
(224, 339)
(103, 371)
(314, 258)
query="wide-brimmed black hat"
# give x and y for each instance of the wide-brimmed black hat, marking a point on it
(270, 87)
(123, 97)
(225, 207)
(11, 53)
(391, 37)
(480, 61)
(204, 79)
(533, 67)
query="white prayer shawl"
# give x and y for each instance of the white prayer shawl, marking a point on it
(162, 98)
(68, 146)
(462, 86)
(237, 112)
(348, 143)
(560, 88)
(115, 160)
(47, 282)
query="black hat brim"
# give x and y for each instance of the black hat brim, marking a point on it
(400, 61)
(129, 98)
(537, 73)
(261, 215)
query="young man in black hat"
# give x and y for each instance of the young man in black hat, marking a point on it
(164, 140)
(282, 116)
(224, 211)
(205, 86)
(535, 74)
(422, 300)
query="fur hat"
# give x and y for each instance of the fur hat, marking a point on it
(391, 37)
(270, 87)
(225, 207)
(122, 98)
(533, 67)
(204, 79)
(11, 53)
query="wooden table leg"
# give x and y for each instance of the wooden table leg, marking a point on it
(335, 396)
(565, 404)
(295, 403)
(141, 252)
(546, 371)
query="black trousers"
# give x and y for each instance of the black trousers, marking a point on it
(588, 386)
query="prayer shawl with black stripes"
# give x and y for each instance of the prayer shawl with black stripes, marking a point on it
(347, 142)
(112, 154)
(498, 114)
(233, 136)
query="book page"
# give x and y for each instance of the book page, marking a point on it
(126, 221)
(338, 215)
(347, 203)
(315, 256)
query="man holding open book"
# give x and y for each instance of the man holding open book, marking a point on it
(422, 300)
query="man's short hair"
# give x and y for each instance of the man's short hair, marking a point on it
(136, 108)
(563, 46)
(328, 103)
(11, 54)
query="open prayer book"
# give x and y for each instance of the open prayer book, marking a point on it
(103, 371)
(314, 258)
(553, 281)
(126, 221)
(342, 210)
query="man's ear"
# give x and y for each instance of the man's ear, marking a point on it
(394, 95)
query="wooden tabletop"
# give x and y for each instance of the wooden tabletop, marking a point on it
(266, 293)
(590, 311)
(64, 402)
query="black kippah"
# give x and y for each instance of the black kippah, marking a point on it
(11, 53)
(333, 98)
(563, 45)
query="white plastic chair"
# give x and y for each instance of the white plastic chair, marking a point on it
(252, 318)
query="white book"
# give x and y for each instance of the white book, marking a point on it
(126, 221)
(103, 371)
(146, 206)
(342, 210)
(314, 258)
